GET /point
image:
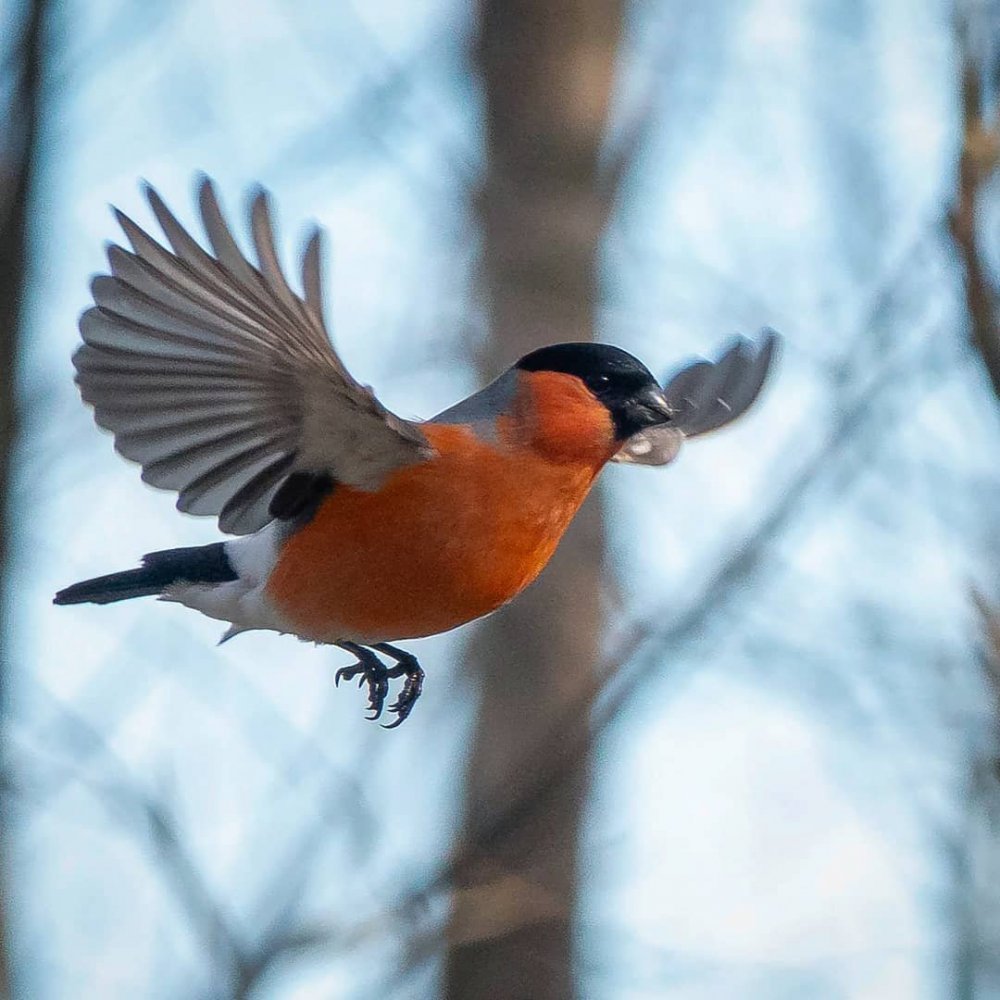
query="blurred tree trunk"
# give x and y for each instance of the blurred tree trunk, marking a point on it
(548, 69)
(977, 858)
(22, 57)
(979, 160)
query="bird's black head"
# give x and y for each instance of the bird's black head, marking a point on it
(621, 382)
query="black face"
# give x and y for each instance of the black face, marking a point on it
(622, 383)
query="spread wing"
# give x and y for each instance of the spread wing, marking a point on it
(219, 379)
(705, 395)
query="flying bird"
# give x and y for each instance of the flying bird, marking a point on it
(355, 527)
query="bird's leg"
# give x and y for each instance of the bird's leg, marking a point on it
(371, 670)
(408, 667)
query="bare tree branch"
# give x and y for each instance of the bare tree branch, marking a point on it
(18, 145)
(979, 159)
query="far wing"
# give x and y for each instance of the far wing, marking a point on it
(705, 395)
(219, 379)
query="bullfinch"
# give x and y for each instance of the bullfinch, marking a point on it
(353, 526)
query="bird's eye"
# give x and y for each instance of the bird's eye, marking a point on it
(600, 381)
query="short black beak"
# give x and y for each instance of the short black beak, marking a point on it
(651, 407)
(648, 407)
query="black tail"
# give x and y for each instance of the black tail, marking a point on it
(196, 564)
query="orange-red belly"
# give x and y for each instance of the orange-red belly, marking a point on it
(441, 543)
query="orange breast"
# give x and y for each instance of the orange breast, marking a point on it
(441, 543)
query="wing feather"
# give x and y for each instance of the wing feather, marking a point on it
(219, 379)
(311, 283)
(138, 273)
(270, 268)
(170, 317)
(224, 245)
(251, 503)
(708, 395)
(214, 486)
(705, 395)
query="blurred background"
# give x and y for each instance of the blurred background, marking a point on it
(741, 738)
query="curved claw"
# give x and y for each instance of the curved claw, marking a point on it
(370, 670)
(401, 710)
(378, 688)
(412, 687)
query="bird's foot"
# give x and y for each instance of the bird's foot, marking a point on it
(408, 667)
(370, 670)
